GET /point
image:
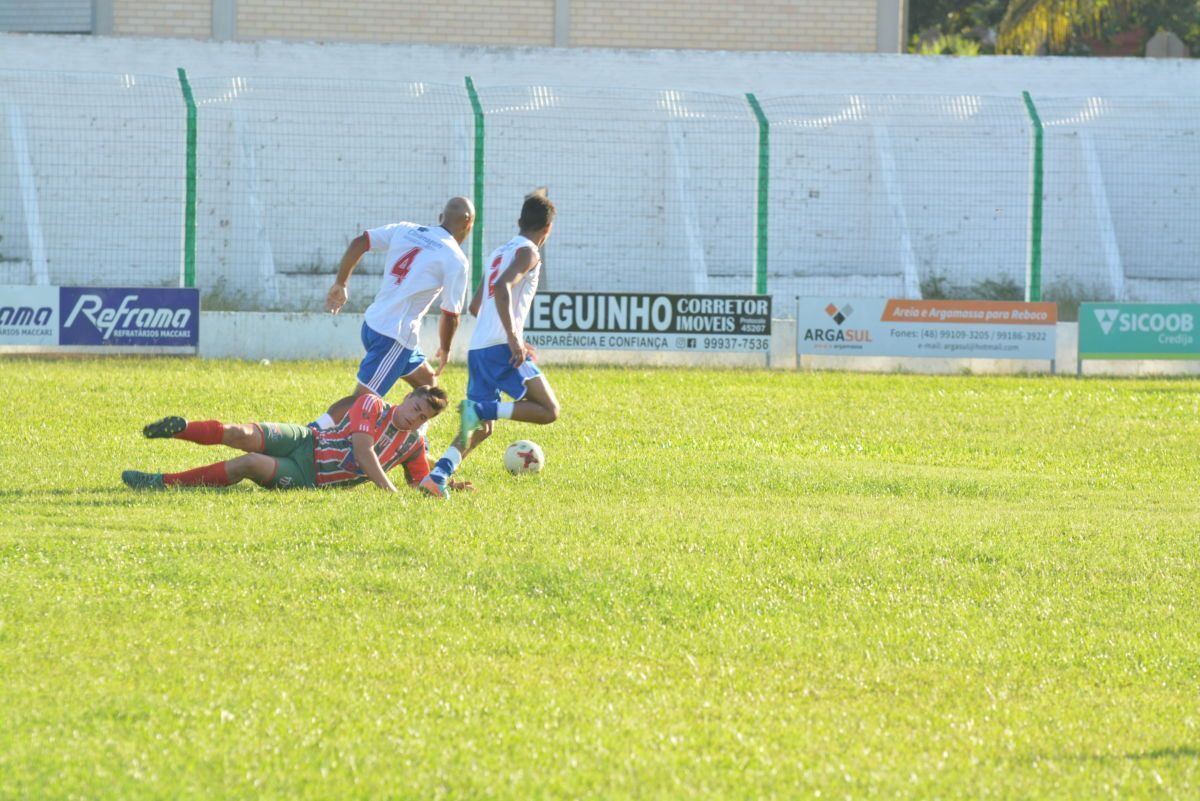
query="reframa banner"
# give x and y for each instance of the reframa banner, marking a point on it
(650, 321)
(946, 329)
(148, 317)
(29, 315)
(1139, 331)
(100, 316)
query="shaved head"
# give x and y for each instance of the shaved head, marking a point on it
(458, 217)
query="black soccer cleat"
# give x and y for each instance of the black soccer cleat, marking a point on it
(136, 479)
(164, 428)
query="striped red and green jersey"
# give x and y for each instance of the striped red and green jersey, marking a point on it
(370, 414)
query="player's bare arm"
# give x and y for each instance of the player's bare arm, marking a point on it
(338, 294)
(522, 262)
(363, 448)
(447, 325)
(476, 301)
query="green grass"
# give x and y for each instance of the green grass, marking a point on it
(724, 585)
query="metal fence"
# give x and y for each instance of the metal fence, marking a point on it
(90, 173)
(906, 197)
(251, 188)
(288, 174)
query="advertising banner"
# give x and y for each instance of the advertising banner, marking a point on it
(28, 315)
(1138, 331)
(649, 321)
(946, 329)
(167, 317)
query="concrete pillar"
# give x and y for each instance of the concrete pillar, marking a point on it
(890, 26)
(562, 23)
(224, 20)
(102, 17)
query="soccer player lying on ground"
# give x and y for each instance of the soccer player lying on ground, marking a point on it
(499, 358)
(374, 437)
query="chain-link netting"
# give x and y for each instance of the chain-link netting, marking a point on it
(880, 196)
(655, 190)
(91, 179)
(899, 196)
(1122, 215)
(290, 171)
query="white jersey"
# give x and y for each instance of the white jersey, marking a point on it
(488, 330)
(421, 262)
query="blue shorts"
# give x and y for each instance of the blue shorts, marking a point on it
(489, 373)
(386, 362)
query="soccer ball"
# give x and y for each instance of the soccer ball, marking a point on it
(523, 456)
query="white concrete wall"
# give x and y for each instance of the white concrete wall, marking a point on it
(771, 74)
(656, 186)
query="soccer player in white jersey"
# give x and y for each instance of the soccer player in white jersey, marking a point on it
(499, 360)
(422, 263)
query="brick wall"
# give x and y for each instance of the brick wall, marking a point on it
(190, 19)
(807, 25)
(477, 22)
(788, 25)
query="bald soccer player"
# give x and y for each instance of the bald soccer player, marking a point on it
(422, 263)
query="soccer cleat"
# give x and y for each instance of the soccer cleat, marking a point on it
(430, 486)
(136, 479)
(164, 428)
(468, 419)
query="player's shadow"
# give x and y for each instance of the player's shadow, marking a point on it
(51, 493)
(1179, 752)
(79, 496)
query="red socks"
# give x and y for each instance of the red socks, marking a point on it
(214, 475)
(203, 432)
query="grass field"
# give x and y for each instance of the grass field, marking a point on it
(725, 585)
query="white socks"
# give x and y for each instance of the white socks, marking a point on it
(451, 459)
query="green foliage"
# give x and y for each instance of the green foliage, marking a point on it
(1065, 26)
(1004, 289)
(931, 20)
(1069, 294)
(938, 287)
(726, 584)
(1181, 17)
(951, 45)
(1050, 26)
(219, 296)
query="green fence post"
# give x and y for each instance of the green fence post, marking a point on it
(1033, 276)
(764, 185)
(189, 209)
(477, 232)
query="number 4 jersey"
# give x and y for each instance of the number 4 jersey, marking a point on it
(421, 261)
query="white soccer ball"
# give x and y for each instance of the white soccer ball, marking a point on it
(524, 456)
